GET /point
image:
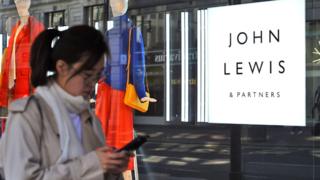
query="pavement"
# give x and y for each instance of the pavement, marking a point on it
(182, 152)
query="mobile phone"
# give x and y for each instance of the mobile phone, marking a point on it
(134, 144)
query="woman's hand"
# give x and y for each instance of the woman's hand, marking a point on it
(112, 161)
(150, 99)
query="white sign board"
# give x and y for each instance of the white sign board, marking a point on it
(256, 63)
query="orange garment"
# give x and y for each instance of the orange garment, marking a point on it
(22, 86)
(2, 60)
(116, 117)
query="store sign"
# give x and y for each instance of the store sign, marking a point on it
(256, 63)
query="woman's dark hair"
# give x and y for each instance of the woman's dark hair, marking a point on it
(77, 43)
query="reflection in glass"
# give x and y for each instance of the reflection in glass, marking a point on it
(54, 19)
(152, 28)
(94, 16)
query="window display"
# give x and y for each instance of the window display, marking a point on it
(16, 70)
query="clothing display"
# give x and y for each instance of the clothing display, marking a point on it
(115, 116)
(1, 65)
(16, 73)
(131, 98)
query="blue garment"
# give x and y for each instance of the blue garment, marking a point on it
(115, 71)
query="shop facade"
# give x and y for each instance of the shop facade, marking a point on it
(175, 34)
(175, 37)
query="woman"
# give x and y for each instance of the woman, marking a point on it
(54, 134)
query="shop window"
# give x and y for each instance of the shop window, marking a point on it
(152, 27)
(94, 16)
(6, 2)
(55, 19)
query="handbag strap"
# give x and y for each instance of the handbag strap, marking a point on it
(129, 60)
(129, 56)
(41, 116)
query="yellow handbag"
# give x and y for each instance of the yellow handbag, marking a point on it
(131, 98)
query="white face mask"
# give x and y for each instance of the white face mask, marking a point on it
(118, 7)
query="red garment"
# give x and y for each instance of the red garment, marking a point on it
(2, 60)
(22, 86)
(116, 117)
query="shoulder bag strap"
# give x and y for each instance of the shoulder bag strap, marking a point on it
(129, 61)
(41, 116)
(129, 55)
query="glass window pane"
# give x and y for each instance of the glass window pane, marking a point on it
(152, 28)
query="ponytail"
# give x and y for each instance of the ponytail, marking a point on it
(76, 44)
(41, 57)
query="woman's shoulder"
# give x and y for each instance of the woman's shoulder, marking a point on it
(25, 116)
(28, 107)
(29, 103)
(20, 105)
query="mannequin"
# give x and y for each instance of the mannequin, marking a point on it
(16, 71)
(3, 111)
(8, 31)
(116, 117)
(118, 7)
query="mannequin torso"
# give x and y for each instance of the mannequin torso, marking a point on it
(16, 69)
(12, 76)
